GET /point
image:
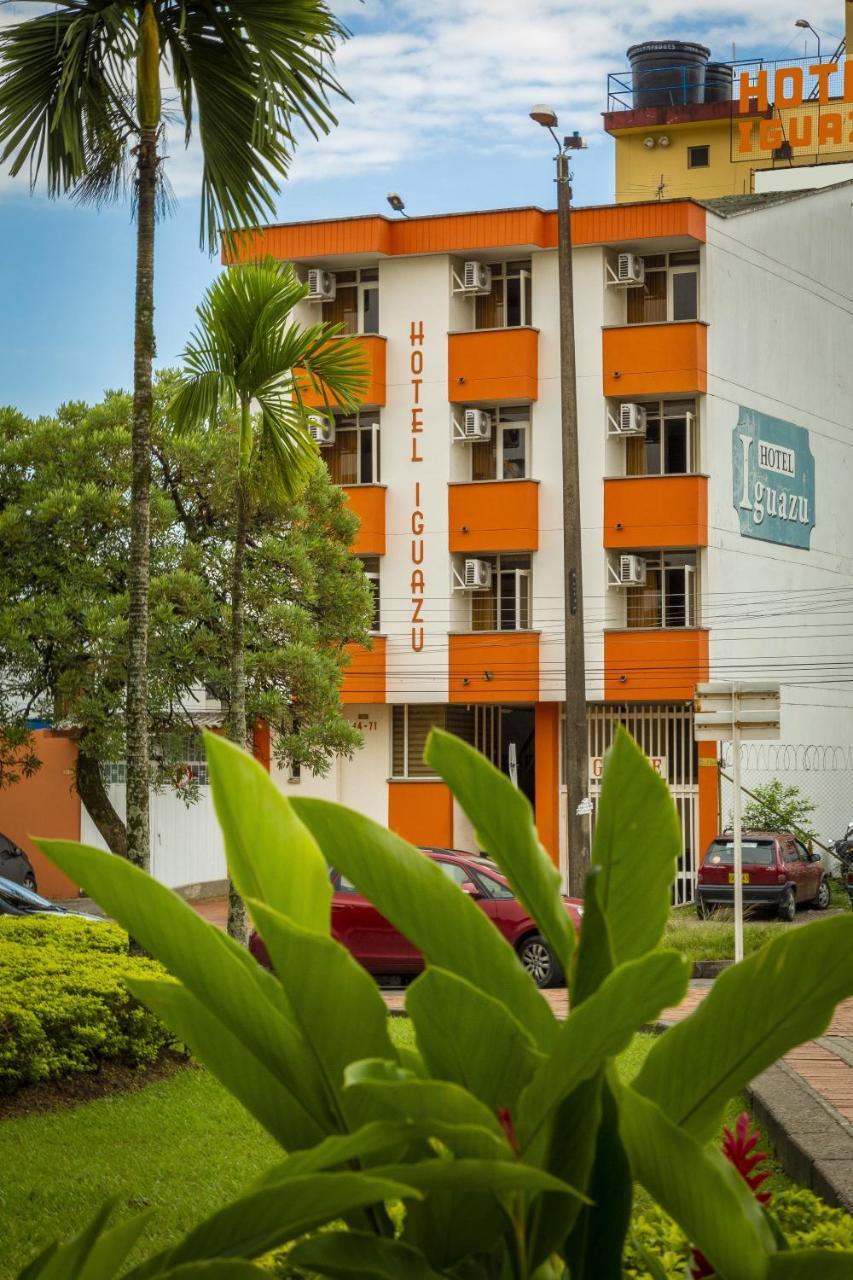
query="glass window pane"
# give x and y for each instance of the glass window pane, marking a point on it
(644, 603)
(343, 309)
(366, 456)
(370, 321)
(483, 459)
(508, 609)
(675, 446)
(514, 440)
(647, 305)
(675, 598)
(524, 601)
(513, 302)
(489, 307)
(484, 608)
(342, 458)
(398, 741)
(685, 295)
(458, 874)
(652, 448)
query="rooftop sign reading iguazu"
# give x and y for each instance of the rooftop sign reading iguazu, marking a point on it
(801, 109)
(774, 479)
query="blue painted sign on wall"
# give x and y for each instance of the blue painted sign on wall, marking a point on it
(774, 479)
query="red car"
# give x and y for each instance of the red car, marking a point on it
(384, 951)
(778, 871)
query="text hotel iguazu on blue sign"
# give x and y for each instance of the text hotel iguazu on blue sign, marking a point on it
(774, 479)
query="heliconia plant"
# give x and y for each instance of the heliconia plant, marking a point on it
(506, 1135)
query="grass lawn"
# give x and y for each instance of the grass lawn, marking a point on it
(182, 1146)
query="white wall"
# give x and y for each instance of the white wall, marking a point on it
(186, 843)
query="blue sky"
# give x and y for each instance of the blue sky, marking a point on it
(440, 96)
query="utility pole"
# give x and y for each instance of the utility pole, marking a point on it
(575, 741)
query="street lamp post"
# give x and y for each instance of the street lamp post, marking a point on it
(805, 25)
(575, 745)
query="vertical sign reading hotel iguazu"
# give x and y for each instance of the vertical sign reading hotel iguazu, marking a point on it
(774, 479)
(416, 368)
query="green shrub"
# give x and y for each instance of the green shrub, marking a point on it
(64, 1006)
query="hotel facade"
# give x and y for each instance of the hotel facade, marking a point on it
(716, 461)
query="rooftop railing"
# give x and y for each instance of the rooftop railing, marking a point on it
(679, 86)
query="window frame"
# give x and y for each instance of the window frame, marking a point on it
(501, 275)
(503, 420)
(361, 286)
(663, 411)
(671, 267)
(374, 577)
(657, 561)
(353, 422)
(404, 708)
(520, 574)
(702, 164)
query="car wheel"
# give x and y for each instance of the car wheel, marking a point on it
(29, 882)
(538, 959)
(787, 906)
(821, 901)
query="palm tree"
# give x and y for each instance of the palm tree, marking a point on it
(249, 360)
(80, 103)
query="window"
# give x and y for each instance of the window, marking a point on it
(757, 853)
(669, 445)
(670, 291)
(354, 457)
(410, 726)
(508, 305)
(668, 598)
(504, 457)
(455, 872)
(698, 157)
(356, 301)
(371, 571)
(789, 851)
(494, 888)
(506, 605)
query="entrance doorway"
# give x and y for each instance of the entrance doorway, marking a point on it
(506, 736)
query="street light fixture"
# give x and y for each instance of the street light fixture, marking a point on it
(575, 744)
(396, 203)
(805, 25)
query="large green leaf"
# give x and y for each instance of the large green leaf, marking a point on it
(215, 969)
(497, 1176)
(755, 1012)
(637, 843)
(387, 1093)
(232, 1269)
(503, 821)
(388, 1138)
(81, 1257)
(811, 1264)
(359, 1254)
(598, 1029)
(419, 900)
(471, 1038)
(263, 1220)
(697, 1187)
(594, 960)
(336, 1003)
(595, 1247)
(111, 1249)
(271, 856)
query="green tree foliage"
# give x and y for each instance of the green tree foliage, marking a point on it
(64, 543)
(506, 1134)
(775, 807)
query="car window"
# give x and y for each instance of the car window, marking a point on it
(19, 896)
(346, 886)
(789, 851)
(802, 851)
(494, 888)
(458, 874)
(757, 853)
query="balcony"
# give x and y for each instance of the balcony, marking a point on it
(654, 665)
(364, 678)
(655, 511)
(494, 666)
(655, 359)
(493, 515)
(367, 501)
(374, 349)
(493, 366)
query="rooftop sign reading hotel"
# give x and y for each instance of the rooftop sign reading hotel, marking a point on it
(813, 117)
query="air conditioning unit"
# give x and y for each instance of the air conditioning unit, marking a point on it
(630, 270)
(632, 571)
(322, 285)
(477, 277)
(632, 420)
(477, 575)
(322, 431)
(477, 424)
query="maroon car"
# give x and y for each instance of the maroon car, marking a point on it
(384, 951)
(777, 869)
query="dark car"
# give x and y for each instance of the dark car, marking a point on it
(16, 900)
(383, 950)
(15, 865)
(778, 871)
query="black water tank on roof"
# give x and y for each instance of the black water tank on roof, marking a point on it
(668, 73)
(718, 82)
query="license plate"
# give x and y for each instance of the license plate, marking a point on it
(744, 879)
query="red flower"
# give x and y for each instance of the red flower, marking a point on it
(739, 1150)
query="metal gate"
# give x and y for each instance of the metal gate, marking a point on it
(665, 732)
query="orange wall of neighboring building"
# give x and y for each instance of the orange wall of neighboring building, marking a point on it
(654, 666)
(655, 359)
(499, 515)
(47, 804)
(656, 511)
(498, 666)
(493, 365)
(364, 678)
(367, 501)
(709, 796)
(421, 812)
(374, 392)
(547, 741)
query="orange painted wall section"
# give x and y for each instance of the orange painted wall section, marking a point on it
(467, 232)
(367, 501)
(655, 359)
(421, 812)
(494, 666)
(709, 818)
(261, 743)
(547, 741)
(499, 515)
(364, 678)
(657, 666)
(656, 511)
(493, 365)
(374, 393)
(47, 804)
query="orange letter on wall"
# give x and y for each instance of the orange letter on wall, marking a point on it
(830, 129)
(770, 135)
(750, 92)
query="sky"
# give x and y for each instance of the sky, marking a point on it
(440, 95)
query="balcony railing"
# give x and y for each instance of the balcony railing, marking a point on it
(494, 666)
(655, 359)
(655, 511)
(367, 501)
(654, 665)
(493, 366)
(493, 515)
(374, 394)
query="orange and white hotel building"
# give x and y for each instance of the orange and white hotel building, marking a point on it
(715, 384)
